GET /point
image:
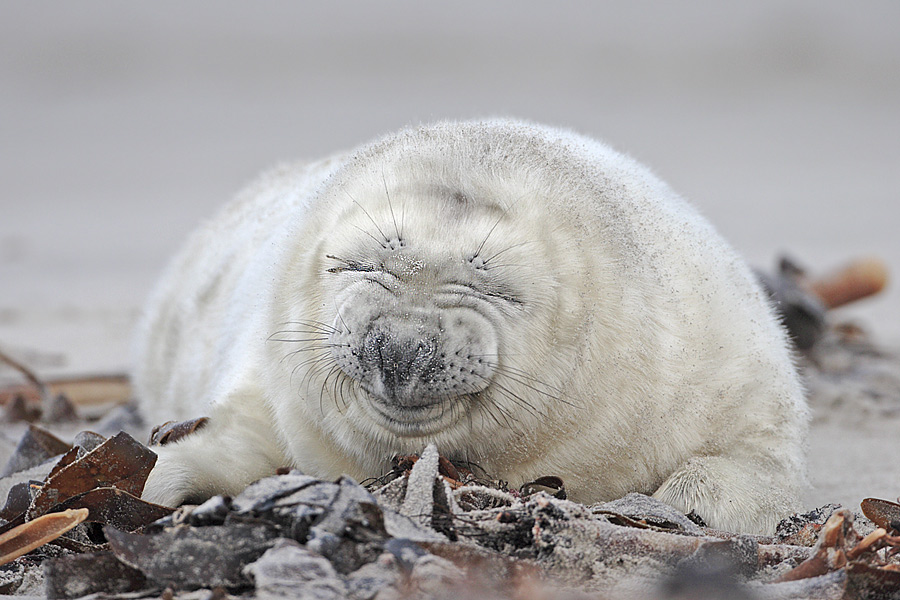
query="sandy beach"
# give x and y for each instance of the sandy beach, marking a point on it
(125, 125)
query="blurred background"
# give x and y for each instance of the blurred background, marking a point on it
(122, 125)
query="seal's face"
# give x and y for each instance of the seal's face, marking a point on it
(420, 352)
(418, 313)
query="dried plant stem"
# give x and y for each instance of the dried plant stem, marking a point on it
(27, 373)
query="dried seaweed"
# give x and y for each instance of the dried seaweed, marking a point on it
(101, 485)
(119, 462)
(34, 534)
(112, 506)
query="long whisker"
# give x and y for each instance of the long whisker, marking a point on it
(334, 369)
(516, 398)
(315, 362)
(362, 208)
(505, 266)
(306, 331)
(319, 325)
(505, 212)
(493, 227)
(377, 241)
(319, 338)
(519, 373)
(522, 377)
(390, 206)
(487, 260)
(338, 312)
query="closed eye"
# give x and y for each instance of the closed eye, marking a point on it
(351, 265)
(469, 290)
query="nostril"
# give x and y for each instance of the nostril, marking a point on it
(425, 350)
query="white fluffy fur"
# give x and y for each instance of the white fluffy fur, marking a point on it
(644, 355)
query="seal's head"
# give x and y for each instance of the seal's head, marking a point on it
(427, 288)
(432, 270)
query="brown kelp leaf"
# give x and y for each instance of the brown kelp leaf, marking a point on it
(34, 534)
(83, 574)
(112, 506)
(36, 446)
(884, 513)
(447, 468)
(64, 461)
(191, 557)
(170, 431)
(119, 462)
(122, 510)
(17, 501)
(551, 484)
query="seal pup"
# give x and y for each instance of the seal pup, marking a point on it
(527, 299)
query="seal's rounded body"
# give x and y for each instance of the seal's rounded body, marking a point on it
(526, 298)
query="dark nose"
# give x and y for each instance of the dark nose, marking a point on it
(402, 362)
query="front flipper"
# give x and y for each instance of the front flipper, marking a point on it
(236, 447)
(739, 495)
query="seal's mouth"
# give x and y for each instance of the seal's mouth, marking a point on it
(408, 421)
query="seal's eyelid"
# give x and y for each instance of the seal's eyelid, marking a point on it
(377, 281)
(504, 295)
(355, 268)
(350, 265)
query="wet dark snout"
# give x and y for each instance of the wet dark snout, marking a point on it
(409, 359)
(403, 361)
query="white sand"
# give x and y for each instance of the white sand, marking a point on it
(123, 125)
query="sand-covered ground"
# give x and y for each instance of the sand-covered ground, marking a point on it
(123, 125)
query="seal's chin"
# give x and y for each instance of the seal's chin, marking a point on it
(412, 421)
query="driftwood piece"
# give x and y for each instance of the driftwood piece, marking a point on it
(34, 534)
(80, 390)
(854, 281)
